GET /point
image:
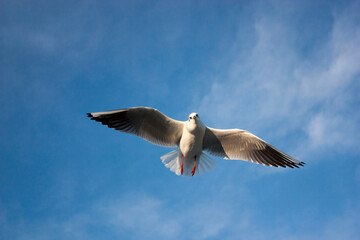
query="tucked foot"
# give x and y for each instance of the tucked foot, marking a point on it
(182, 164)
(193, 170)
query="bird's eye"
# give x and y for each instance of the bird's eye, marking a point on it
(197, 115)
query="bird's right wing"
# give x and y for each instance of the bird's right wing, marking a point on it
(147, 123)
(242, 145)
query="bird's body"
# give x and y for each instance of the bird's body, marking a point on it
(191, 141)
(193, 138)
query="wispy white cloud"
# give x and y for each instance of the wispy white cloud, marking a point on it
(136, 215)
(145, 216)
(148, 216)
(277, 89)
(326, 130)
(206, 220)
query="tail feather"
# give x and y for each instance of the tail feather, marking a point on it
(205, 164)
(172, 160)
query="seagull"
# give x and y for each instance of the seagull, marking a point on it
(192, 138)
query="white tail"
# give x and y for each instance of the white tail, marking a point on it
(172, 160)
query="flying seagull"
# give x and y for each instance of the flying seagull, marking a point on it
(193, 138)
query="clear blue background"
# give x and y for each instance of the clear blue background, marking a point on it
(287, 71)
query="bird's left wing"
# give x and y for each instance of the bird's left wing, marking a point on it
(147, 123)
(242, 145)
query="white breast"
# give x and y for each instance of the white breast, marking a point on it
(192, 138)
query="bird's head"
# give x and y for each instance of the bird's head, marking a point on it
(193, 117)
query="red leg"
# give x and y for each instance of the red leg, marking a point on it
(182, 164)
(193, 170)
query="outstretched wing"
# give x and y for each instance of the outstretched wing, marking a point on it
(147, 123)
(242, 145)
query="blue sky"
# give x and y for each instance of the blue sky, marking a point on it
(287, 71)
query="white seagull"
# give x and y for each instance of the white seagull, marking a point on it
(193, 138)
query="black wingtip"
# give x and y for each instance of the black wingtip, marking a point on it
(89, 115)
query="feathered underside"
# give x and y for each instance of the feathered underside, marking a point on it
(236, 144)
(147, 123)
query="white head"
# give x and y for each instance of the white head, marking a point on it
(194, 116)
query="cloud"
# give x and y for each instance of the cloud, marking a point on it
(281, 89)
(136, 215)
(207, 220)
(318, 130)
(325, 130)
(145, 216)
